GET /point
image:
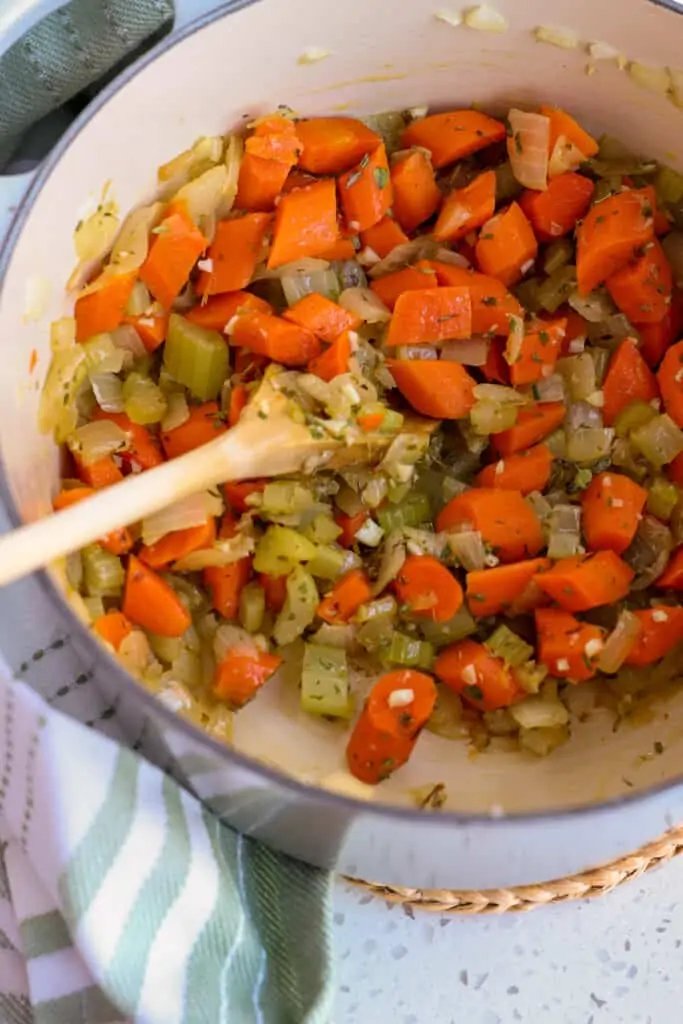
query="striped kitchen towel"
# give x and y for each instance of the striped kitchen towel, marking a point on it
(122, 899)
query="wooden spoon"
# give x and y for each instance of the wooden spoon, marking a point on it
(265, 442)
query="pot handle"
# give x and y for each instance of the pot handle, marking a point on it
(16, 18)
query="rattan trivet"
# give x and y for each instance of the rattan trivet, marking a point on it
(585, 885)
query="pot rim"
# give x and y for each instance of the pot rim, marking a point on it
(445, 818)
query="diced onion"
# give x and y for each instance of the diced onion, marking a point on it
(551, 389)
(207, 150)
(589, 444)
(416, 352)
(566, 156)
(127, 338)
(468, 352)
(594, 308)
(108, 391)
(602, 51)
(485, 19)
(403, 255)
(619, 643)
(229, 638)
(578, 373)
(203, 195)
(365, 304)
(393, 557)
(132, 242)
(656, 79)
(177, 411)
(491, 417)
(498, 394)
(528, 148)
(313, 54)
(57, 408)
(564, 524)
(301, 283)
(95, 440)
(181, 515)
(234, 151)
(468, 547)
(37, 293)
(539, 712)
(93, 239)
(449, 17)
(223, 552)
(62, 333)
(565, 38)
(370, 534)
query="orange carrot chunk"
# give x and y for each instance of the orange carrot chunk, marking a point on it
(177, 544)
(384, 236)
(555, 212)
(242, 673)
(148, 601)
(507, 246)
(672, 577)
(204, 424)
(101, 473)
(390, 287)
(612, 506)
(225, 584)
(237, 493)
(387, 730)
(452, 136)
(416, 194)
(334, 361)
(443, 390)
(540, 349)
(349, 526)
(175, 246)
(563, 124)
(483, 680)
(568, 647)
(465, 209)
(430, 316)
(642, 290)
(332, 145)
(151, 329)
(345, 598)
(233, 254)
(275, 589)
(506, 521)
(219, 310)
(270, 153)
(239, 398)
(610, 236)
(661, 630)
(532, 425)
(305, 224)
(366, 192)
(526, 472)
(490, 591)
(118, 542)
(103, 310)
(276, 338)
(628, 379)
(113, 627)
(670, 379)
(428, 589)
(656, 338)
(142, 450)
(322, 317)
(587, 581)
(492, 303)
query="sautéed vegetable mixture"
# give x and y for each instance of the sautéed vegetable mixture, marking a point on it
(514, 280)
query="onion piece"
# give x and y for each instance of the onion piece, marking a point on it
(234, 152)
(96, 440)
(564, 524)
(301, 283)
(177, 411)
(565, 38)
(416, 352)
(403, 255)
(589, 444)
(203, 195)
(62, 334)
(207, 150)
(485, 19)
(108, 391)
(551, 389)
(127, 338)
(393, 557)
(93, 239)
(498, 394)
(132, 242)
(365, 304)
(539, 712)
(229, 638)
(223, 552)
(595, 307)
(528, 148)
(467, 546)
(648, 552)
(566, 156)
(181, 515)
(468, 352)
(619, 643)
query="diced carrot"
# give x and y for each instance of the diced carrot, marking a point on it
(491, 591)
(429, 316)
(118, 542)
(297, 179)
(670, 380)
(237, 247)
(274, 138)
(270, 153)
(656, 338)
(533, 425)
(276, 338)
(176, 245)
(672, 577)
(249, 366)
(661, 630)
(345, 598)
(148, 601)
(642, 290)
(526, 472)
(587, 581)
(370, 421)
(305, 224)
(507, 246)
(177, 544)
(612, 506)
(674, 470)
(71, 496)
(443, 390)
(428, 589)
(628, 379)
(563, 124)
(332, 145)
(496, 369)
(384, 236)
(204, 424)
(465, 209)
(239, 397)
(342, 249)
(334, 360)
(241, 675)
(142, 450)
(555, 212)
(453, 136)
(225, 584)
(610, 236)
(538, 352)
(238, 492)
(416, 194)
(322, 317)
(576, 328)
(101, 473)
(390, 287)
(151, 329)
(218, 311)
(366, 192)
(350, 525)
(275, 589)
(103, 310)
(385, 734)
(113, 627)
(568, 647)
(483, 680)
(492, 303)
(506, 521)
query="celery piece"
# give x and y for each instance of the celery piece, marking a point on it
(94, 606)
(102, 572)
(194, 599)
(252, 607)
(325, 681)
(660, 440)
(669, 186)
(530, 675)
(143, 401)
(557, 255)
(527, 293)
(297, 285)
(601, 358)
(507, 186)
(407, 650)
(392, 422)
(286, 497)
(322, 530)
(74, 570)
(376, 633)
(505, 644)
(328, 562)
(490, 418)
(442, 633)
(542, 742)
(398, 492)
(662, 498)
(578, 373)
(196, 357)
(557, 288)
(412, 511)
(299, 608)
(281, 549)
(382, 606)
(635, 414)
(166, 648)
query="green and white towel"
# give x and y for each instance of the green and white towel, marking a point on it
(122, 899)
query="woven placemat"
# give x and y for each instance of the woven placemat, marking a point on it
(586, 885)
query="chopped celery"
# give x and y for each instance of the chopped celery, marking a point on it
(328, 562)
(280, 550)
(325, 681)
(74, 570)
(505, 644)
(601, 358)
(94, 606)
(507, 186)
(385, 606)
(102, 572)
(489, 418)
(446, 718)
(194, 599)
(412, 511)
(442, 633)
(398, 492)
(579, 376)
(285, 497)
(322, 529)
(376, 633)
(252, 607)
(143, 401)
(589, 444)
(660, 440)
(407, 650)
(669, 186)
(392, 422)
(299, 608)
(297, 285)
(166, 648)
(543, 741)
(662, 498)
(635, 414)
(527, 293)
(557, 288)
(196, 357)
(530, 675)
(557, 255)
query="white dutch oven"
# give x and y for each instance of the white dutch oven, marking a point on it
(509, 819)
